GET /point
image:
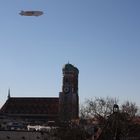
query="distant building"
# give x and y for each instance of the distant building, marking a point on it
(64, 108)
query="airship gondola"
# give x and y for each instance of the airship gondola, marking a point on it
(31, 13)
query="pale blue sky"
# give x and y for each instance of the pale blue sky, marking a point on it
(100, 37)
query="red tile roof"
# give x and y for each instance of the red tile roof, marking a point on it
(36, 106)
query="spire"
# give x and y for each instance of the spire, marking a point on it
(9, 93)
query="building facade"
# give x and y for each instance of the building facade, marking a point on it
(68, 98)
(62, 108)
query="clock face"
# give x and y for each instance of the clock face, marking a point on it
(66, 89)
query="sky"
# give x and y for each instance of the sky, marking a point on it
(100, 37)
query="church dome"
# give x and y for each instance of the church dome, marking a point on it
(70, 67)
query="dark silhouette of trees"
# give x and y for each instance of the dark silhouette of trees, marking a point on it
(119, 125)
(101, 108)
(129, 108)
(115, 123)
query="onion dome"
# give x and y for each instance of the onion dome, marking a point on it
(70, 68)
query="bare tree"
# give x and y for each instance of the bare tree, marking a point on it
(99, 107)
(130, 108)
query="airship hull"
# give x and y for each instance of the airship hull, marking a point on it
(31, 13)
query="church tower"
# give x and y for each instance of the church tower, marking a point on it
(68, 98)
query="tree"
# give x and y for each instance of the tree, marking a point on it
(119, 126)
(130, 108)
(115, 124)
(100, 108)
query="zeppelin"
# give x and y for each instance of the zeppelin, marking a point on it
(31, 13)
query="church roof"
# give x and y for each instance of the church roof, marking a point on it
(31, 105)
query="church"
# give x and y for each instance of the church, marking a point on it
(43, 109)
